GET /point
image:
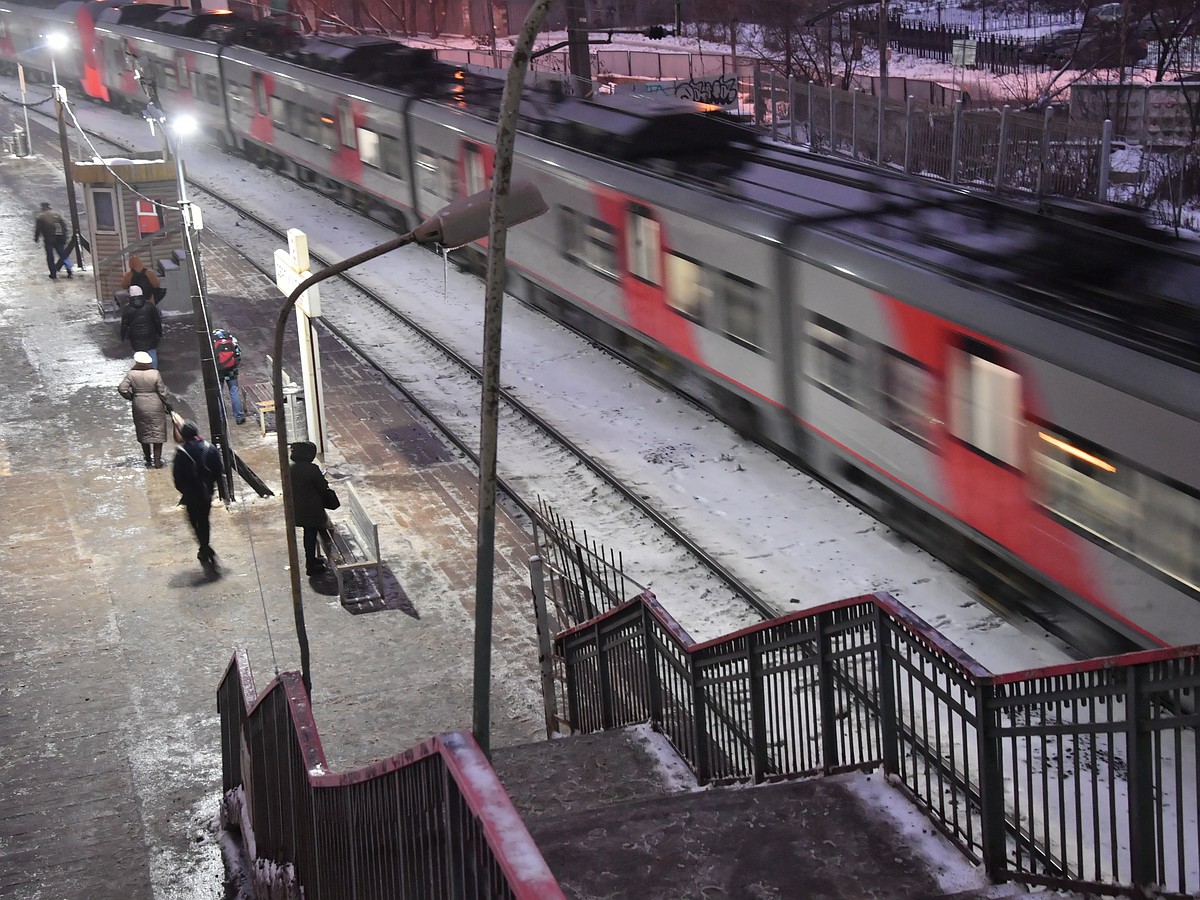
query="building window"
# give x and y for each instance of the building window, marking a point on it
(104, 211)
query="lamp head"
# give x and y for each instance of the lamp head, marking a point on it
(467, 219)
(56, 40)
(183, 126)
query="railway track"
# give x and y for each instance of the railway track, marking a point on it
(721, 584)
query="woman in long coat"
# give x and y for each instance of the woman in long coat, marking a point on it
(151, 405)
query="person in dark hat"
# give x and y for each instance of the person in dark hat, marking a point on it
(52, 230)
(310, 498)
(196, 469)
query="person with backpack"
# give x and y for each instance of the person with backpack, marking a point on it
(196, 470)
(141, 324)
(51, 229)
(140, 277)
(228, 354)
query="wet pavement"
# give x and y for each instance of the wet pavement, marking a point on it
(113, 639)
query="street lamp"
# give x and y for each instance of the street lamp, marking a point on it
(56, 41)
(461, 222)
(489, 407)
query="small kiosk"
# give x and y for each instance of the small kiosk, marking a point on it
(133, 210)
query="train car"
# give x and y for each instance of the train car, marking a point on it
(1016, 389)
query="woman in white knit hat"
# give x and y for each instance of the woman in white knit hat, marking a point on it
(151, 406)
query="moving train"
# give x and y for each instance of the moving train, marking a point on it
(1017, 388)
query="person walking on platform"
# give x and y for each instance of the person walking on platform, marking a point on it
(141, 324)
(51, 229)
(311, 496)
(144, 279)
(196, 468)
(151, 405)
(228, 355)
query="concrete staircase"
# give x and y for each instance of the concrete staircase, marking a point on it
(617, 815)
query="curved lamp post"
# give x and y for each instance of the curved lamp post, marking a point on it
(501, 215)
(56, 41)
(461, 222)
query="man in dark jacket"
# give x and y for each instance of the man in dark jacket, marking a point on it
(50, 227)
(196, 468)
(310, 496)
(141, 324)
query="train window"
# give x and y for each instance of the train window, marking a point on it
(434, 174)
(907, 399)
(642, 241)
(985, 410)
(474, 168)
(327, 137)
(1168, 530)
(104, 210)
(1081, 484)
(368, 148)
(259, 89)
(689, 288)
(181, 72)
(294, 114)
(197, 91)
(832, 358)
(214, 89)
(742, 320)
(312, 125)
(393, 157)
(589, 242)
(345, 123)
(279, 113)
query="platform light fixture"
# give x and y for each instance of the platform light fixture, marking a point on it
(456, 224)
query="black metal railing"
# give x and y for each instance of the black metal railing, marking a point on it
(433, 821)
(1082, 776)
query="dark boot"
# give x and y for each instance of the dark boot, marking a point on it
(146, 453)
(157, 455)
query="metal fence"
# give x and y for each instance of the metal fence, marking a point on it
(1007, 152)
(433, 821)
(1082, 776)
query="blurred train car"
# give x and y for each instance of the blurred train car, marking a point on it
(1017, 389)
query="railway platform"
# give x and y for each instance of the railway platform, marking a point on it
(113, 639)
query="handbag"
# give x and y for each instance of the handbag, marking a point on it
(331, 498)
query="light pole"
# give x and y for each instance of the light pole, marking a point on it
(461, 222)
(489, 407)
(183, 126)
(57, 41)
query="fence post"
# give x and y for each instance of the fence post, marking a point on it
(1001, 144)
(699, 724)
(880, 128)
(827, 693)
(955, 137)
(604, 682)
(537, 582)
(993, 836)
(774, 110)
(1140, 759)
(653, 683)
(1043, 149)
(759, 112)
(910, 104)
(1105, 161)
(832, 121)
(854, 124)
(792, 107)
(889, 732)
(758, 708)
(812, 140)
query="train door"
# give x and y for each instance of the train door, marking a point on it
(347, 164)
(645, 293)
(985, 451)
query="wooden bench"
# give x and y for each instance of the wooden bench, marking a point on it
(262, 395)
(352, 543)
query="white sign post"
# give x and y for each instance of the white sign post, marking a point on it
(291, 268)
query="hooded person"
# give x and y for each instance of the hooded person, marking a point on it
(144, 279)
(196, 469)
(311, 496)
(151, 405)
(141, 324)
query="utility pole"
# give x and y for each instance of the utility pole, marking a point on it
(578, 59)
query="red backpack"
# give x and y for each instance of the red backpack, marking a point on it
(225, 352)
